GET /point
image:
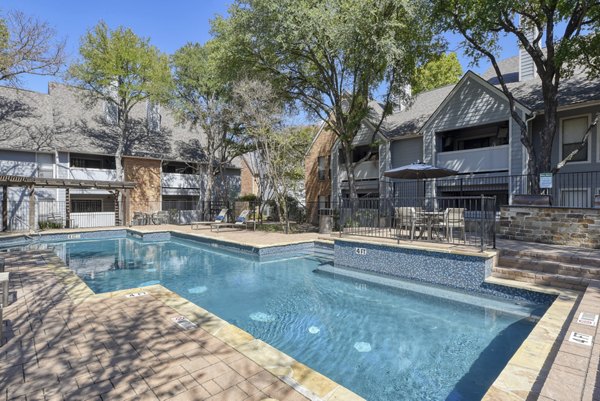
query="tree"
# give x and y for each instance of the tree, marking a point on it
(280, 149)
(200, 99)
(330, 57)
(552, 32)
(123, 70)
(28, 46)
(441, 71)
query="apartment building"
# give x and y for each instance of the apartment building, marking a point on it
(468, 127)
(58, 135)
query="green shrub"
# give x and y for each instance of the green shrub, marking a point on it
(49, 225)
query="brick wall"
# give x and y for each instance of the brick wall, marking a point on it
(248, 185)
(146, 196)
(312, 185)
(562, 226)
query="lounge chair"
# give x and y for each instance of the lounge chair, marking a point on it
(241, 222)
(219, 219)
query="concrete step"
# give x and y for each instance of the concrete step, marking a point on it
(549, 266)
(541, 278)
(560, 257)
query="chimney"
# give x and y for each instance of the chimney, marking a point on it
(400, 102)
(526, 65)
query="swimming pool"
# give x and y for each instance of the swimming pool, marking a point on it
(382, 343)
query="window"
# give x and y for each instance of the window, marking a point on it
(484, 136)
(322, 167)
(572, 132)
(362, 153)
(86, 205)
(153, 116)
(179, 168)
(89, 161)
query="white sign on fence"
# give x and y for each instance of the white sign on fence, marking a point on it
(545, 180)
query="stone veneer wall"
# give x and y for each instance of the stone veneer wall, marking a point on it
(146, 196)
(551, 225)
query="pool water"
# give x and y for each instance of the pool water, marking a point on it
(382, 343)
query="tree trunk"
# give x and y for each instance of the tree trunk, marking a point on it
(283, 213)
(550, 127)
(119, 166)
(349, 166)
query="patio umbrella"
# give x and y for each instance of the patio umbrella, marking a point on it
(417, 171)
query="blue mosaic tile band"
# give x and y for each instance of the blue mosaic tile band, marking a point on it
(107, 234)
(461, 272)
(156, 237)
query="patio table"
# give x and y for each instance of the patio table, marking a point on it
(431, 218)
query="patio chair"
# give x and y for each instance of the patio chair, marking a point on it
(406, 217)
(454, 217)
(160, 217)
(138, 219)
(241, 222)
(219, 219)
(4, 277)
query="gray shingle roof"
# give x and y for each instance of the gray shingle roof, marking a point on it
(573, 90)
(62, 120)
(410, 120)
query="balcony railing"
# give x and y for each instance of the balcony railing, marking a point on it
(97, 174)
(366, 170)
(475, 160)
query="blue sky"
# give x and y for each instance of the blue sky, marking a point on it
(168, 24)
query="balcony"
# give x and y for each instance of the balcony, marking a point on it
(95, 174)
(180, 184)
(475, 160)
(362, 171)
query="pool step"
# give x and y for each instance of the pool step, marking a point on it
(549, 266)
(567, 256)
(541, 278)
(323, 250)
(557, 269)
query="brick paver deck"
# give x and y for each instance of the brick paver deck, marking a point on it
(59, 346)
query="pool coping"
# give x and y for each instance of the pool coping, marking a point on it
(302, 378)
(522, 377)
(526, 371)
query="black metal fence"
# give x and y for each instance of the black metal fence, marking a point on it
(573, 190)
(456, 220)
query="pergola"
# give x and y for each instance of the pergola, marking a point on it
(31, 183)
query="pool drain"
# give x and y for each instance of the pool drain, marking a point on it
(362, 347)
(313, 329)
(197, 290)
(262, 317)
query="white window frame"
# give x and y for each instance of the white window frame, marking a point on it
(587, 190)
(560, 137)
